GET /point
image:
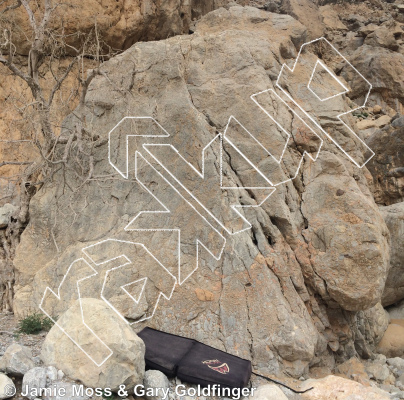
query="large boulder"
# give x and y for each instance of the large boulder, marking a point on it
(394, 289)
(125, 364)
(17, 360)
(293, 283)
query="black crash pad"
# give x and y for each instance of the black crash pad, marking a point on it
(192, 361)
(164, 351)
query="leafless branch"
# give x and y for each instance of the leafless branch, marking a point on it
(67, 153)
(30, 14)
(11, 6)
(59, 82)
(86, 83)
(15, 163)
(15, 70)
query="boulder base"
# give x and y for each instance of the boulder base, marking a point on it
(125, 366)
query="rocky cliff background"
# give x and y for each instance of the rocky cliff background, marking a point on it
(308, 285)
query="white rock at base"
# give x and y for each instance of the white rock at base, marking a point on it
(396, 362)
(17, 360)
(126, 364)
(38, 378)
(7, 387)
(51, 374)
(380, 372)
(381, 358)
(155, 379)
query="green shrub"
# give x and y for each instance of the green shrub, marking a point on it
(47, 323)
(34, 323)
(361, 115)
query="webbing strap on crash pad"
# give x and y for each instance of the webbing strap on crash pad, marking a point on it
(280, 383)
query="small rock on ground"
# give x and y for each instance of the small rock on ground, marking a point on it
(7, 387)
(17, 360)
(38, 378)
(155, 379)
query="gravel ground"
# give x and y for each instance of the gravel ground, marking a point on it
(9, 335)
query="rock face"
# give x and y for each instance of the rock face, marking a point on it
(394, 289)
(384, 36)
(386, 166)
(17, 360)
(119, 24)
(333, 229)
(5, 213)
(397, 311)
(290, 292)
(125, 365)
(306, 12)
(331, 20)
(386, 74)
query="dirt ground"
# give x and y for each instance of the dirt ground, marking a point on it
(9, 335)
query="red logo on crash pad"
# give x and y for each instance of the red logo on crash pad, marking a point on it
(217, 366)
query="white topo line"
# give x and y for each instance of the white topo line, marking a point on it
(339, 94)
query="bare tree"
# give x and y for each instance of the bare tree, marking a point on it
(52, 61)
